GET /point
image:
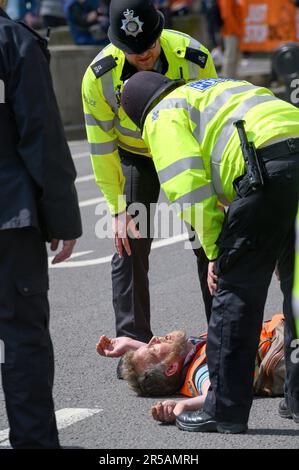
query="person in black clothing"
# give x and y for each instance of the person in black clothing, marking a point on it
(38, 203)
(88, 21)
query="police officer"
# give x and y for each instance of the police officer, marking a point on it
(121, 162)
(201, 164)
(38, 201)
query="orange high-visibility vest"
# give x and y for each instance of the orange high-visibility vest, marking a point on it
(268, 330)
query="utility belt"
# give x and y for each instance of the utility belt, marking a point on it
(131, 157)
(256, 158)
(279, 149)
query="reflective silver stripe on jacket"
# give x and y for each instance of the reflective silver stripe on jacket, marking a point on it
(296, 307)
(193, 69)
(132, 149)
(104, 148)
(171, 103)
(125, 131)
(187, 163)
(108, 91)
(202, 119)
(106, 126)
(226, 134)
(196, 196)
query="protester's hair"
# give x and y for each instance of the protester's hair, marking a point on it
(152, 381)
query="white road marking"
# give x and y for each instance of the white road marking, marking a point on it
(65, 418)
(107, 259)
(91, 202)
(82, 179)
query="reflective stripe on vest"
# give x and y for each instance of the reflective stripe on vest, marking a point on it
(130, 148)
(196, 196)
(193, 68)
(187, 163)
(106, 126)
(104, 148)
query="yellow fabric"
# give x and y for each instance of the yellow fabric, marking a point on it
(106, 162)
(182, 125)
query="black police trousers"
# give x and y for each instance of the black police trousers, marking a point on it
(28, 369)
(258, 231)
(130, 285)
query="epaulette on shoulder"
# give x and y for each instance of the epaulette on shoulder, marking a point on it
(196, 56)
(103, 65)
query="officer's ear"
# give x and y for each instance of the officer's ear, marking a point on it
(172, 368)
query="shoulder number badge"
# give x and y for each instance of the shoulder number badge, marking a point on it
(132, 26)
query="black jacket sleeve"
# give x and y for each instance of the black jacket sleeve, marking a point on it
(42, 144)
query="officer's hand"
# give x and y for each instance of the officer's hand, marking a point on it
(121, 223)
(212, 278)
(67, 250)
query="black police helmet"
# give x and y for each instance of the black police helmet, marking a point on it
(135, 25)
(142, 91)
(285, 60)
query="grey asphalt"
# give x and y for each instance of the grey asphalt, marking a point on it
(81, 311)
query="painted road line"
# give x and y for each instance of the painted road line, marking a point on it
(82, 179)
(65, 418)
(107, 259)
(91, 202)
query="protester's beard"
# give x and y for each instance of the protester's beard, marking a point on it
(179, 347)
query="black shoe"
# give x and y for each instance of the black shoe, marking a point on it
(199, 421)
(283, 409)
(119, 374)
(285, 412)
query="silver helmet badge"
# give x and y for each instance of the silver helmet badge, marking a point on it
(131, 25)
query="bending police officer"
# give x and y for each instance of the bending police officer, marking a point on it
(202, 165)
(38, 202)
(122, 164)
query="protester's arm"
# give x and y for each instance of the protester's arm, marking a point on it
(116, 347)
(168, 410)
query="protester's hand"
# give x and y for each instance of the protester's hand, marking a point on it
(113, 347)
(163, 411)
(67, 249)
(212, 278)
(121, 223)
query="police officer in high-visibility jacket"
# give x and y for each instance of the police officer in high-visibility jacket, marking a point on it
(121, 161)
(201, 163)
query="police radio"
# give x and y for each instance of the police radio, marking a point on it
(252, 163)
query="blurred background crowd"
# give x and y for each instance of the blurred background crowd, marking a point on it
(87, 19)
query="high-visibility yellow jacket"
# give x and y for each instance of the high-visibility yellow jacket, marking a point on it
(296, 281)
(107, 125)
(196, 148)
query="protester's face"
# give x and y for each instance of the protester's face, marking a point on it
(3, 3)
(147, 59)
(159, 348)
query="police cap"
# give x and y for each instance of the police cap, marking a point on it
(142, 91)
(134, 25)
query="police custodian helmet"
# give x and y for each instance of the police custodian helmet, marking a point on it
(135, 25)
(142, 91)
